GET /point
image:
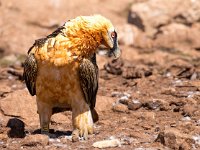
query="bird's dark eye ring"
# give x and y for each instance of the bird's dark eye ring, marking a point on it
(113, 35)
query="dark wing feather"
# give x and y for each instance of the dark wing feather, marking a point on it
(89, 80)
(30, 73)
(30, 64)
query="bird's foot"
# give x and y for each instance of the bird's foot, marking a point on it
(83, 126)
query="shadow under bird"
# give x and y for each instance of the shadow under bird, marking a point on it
(62, 72)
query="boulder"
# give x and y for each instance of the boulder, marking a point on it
(175, 139)
(150, 15)
(177, 34)
(20, 104)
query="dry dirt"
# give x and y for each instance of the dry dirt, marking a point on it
(148, 99)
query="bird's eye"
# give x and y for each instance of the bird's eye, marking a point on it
(113, 34)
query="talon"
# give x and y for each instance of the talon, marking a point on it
(83, 125)
(75, 135)
(85, 136)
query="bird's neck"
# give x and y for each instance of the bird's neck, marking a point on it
(84, 41)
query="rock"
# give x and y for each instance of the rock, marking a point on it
(186, 145)
(20, 104)
(175, 139)
(118, 107)
(116, 94)
(134, 105)
(59, 118)
(114, 66)
(4, 89)
(189, 110)
(170, 140)
(190, 15)
(124, 98)
(150, 15)
(167, 139)
(34, 140)
(152, 105)
(133, 72)
(16, 128)
(178, 35)
(3, 137)
(107, 143)
(130, 35)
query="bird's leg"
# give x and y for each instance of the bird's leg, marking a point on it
(45, 112)
(82, 120)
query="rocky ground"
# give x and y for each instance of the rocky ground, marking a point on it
(147, 100)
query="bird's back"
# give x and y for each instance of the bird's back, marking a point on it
(57, 81)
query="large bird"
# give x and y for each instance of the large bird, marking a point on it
(61, 70)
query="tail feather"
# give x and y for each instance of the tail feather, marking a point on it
(95, 115)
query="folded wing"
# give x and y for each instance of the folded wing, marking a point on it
(30, 73)
(89, 80)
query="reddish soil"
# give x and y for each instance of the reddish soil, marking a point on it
(148, 99)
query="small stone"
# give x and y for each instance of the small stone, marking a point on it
(152, 105)
(114, 66)
(189, 110)
(115, 94)
(186, 145)
(167, 139)
(3, 136)
(124, 100)
(34, 140)
(107, 143)
(16, 128)
(119, 108)
(134, 105)
(170, 140)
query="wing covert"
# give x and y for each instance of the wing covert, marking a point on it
(30, 73)
(88, 73)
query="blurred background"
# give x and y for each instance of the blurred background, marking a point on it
(149, 98)
(140, 23)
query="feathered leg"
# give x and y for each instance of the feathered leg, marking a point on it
(82, 120)
(45, 112)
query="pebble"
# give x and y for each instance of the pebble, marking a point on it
(107, 143)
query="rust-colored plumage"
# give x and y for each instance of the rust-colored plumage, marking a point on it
(61, 70)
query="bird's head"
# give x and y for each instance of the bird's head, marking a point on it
(87, 33)
(109, 35)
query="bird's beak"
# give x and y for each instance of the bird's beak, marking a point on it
(115, 50)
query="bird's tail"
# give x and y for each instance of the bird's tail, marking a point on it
(95, 115)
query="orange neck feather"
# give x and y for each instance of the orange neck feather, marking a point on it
(85, 34)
